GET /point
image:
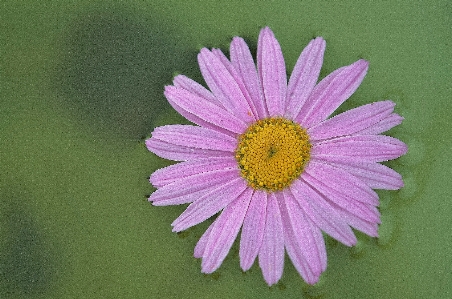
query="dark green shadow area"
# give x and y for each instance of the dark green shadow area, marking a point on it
(28, 260)
(114, 68)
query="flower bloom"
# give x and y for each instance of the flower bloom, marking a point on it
(267, 157)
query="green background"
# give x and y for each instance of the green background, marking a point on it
(81, 86)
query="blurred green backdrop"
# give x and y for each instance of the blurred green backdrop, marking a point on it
(81, 86)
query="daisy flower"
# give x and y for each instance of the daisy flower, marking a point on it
(265, 155)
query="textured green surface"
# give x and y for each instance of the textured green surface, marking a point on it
(81, 85)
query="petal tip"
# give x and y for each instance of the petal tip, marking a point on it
(266, 32)
(314, 279)
(148, 142)
(169, 90)
(320, 40)
(363, 63)
(245, 267)
(237, 39)
(403, 148)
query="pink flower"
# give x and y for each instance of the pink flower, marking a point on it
(265, 155)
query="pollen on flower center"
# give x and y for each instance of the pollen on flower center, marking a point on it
(272, 153)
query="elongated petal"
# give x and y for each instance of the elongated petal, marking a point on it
(199, 121)
(204, 109)
(243, 62)
(343, 182)
(334, 193)
(375, 175)
(192, 187)
(180, 153)
(172, 173)
(366, 148)
(306, 241)
(271, 253)
(331, 92)
(195, 137)
(304, 76)
(224, 232)
(355, 220)
(202, 242)
(194, 87)
(209, 204)
(249, 110)
(223, 85)
(368, 227)
(296, 257)
(272, 72)
(321, 213)
(352, 121)
(253, 229)
(382, 126)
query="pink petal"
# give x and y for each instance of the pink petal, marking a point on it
(172, 173)
(352, 121)
(304, 76)
(321, 213)
(307, 241)
(181, 153)
(385, 124)
(200, 122)
(223, 85)
(195, 137)
(368, 227)
(271, 253)
(195, 88)
(356, 220)
(365, 148)
(203, 109)
(202, 242)
(375, 175)
(342, 182)
(243, 62)
(209, 204)
(272, 72)
(331, 92)
(253, 229)
(191, 188)
(225, 230)
(249, 107)
(317, 177)
(296, 257)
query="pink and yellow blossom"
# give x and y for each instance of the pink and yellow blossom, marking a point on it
(265, 154)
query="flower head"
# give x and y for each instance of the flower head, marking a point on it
(267, 157)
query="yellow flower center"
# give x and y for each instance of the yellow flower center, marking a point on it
(272, 153)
